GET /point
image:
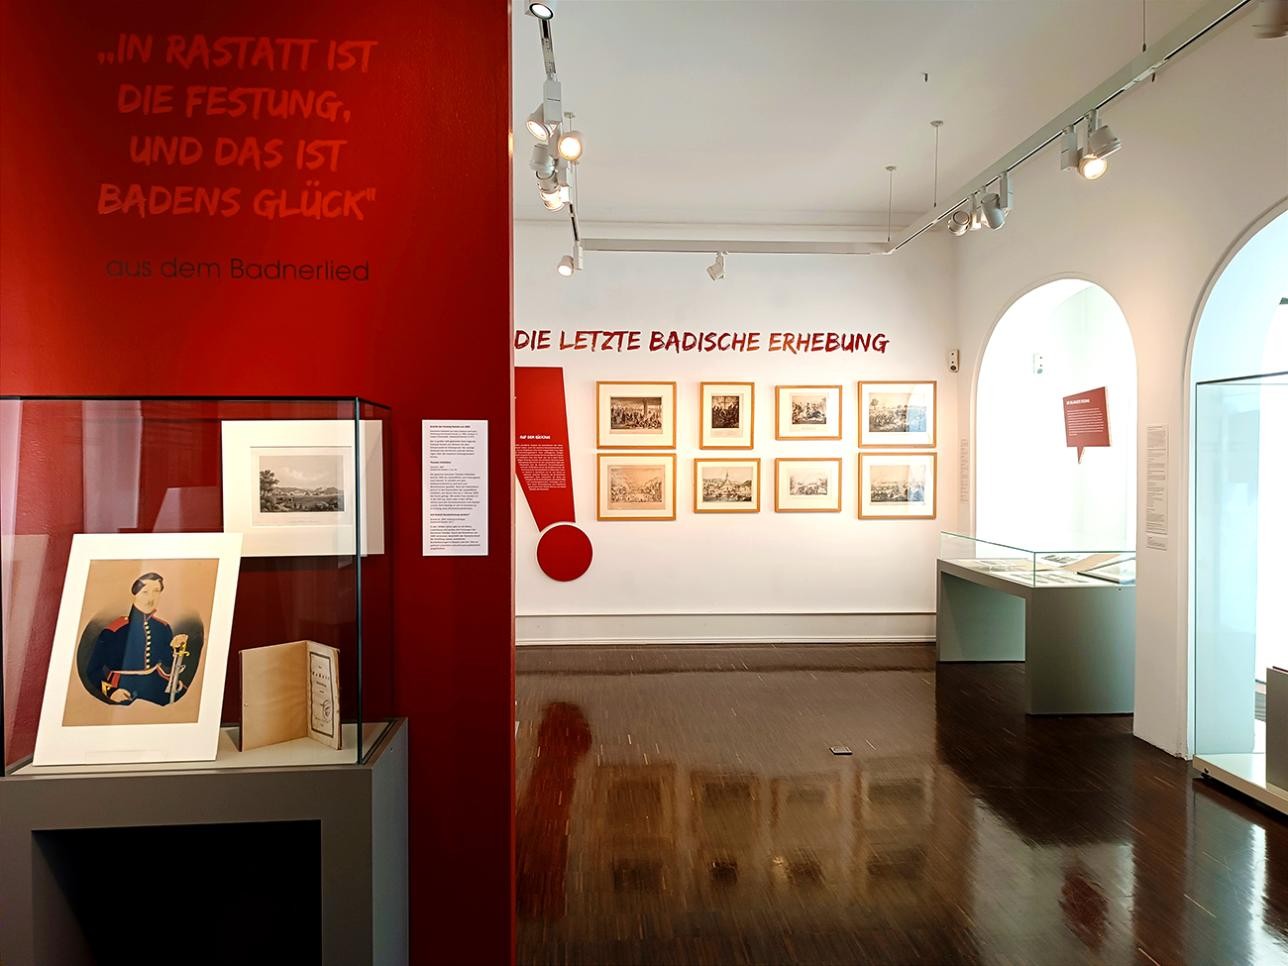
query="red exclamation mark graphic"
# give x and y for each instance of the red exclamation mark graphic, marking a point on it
(544, 467)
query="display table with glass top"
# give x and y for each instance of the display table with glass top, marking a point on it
(1070, 616)
(200, 758)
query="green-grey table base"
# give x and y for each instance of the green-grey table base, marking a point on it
(1078, 644)
(361, 811)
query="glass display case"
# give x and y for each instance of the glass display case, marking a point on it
(193, 582)
(1039, 568)
(1240, 609)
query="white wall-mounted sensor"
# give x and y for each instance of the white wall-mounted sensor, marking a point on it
(1039, 363)
(954, 360)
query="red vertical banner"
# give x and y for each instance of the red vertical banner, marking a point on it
(1086, 420)
(544, 467)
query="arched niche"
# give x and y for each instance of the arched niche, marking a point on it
(1239, 477)
(1061, 338)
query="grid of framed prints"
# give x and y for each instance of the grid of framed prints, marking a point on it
(807, 412)
(728, 416)
(897, 414)
(635, 486)
(894, 484)
(726, 485)
(807, 485)
(897, 486)
(635, 415)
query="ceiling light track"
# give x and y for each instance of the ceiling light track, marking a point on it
(557, 147)
(1207, 18)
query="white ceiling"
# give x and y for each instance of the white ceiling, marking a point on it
(788, 112)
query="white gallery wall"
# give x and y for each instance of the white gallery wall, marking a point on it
(1205, 155)
(737, 577)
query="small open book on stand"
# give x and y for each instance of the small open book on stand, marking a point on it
(290, 691)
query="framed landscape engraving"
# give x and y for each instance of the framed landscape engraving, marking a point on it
(728, 415)
(807, 412)
(290, 486)
(897, 486)
(897, 414)
(635, 415)
(635, 486)
(140, 652)
(807, 485)
(726, 485)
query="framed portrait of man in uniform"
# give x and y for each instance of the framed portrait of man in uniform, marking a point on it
(140, 650)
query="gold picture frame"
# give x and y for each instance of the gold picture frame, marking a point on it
(634, 490)
(707, 438)
(827, 501)
(798, 419)
(733, 489)
(911, 395)
(638, 402)
(893, 486)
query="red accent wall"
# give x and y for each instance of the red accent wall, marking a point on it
(429, 335)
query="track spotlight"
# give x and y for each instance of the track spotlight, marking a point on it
(542, 11)
(716, 270)
(994, 213)
(1092, 167)
(995, 206)
(1090, 161)
(571, 146)
(959, 221)
(1274, 22)
(536, 125)
(542, 162)
(566, 266)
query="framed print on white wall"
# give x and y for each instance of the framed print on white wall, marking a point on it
(727, 484)
(897, 414)
(635, 415)
(897, 486)
(140, 652)
(290, 486)
(807, 485)
(728, 415)
(807, 412)
(635, 486)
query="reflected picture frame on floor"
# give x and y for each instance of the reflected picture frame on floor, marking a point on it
(635, 486)
(635, 415)
(898, 486)
(808, 412)
(726, 415)
(898, 415)
(726, 484)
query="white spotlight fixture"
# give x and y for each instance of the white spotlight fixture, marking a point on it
(536, 125)
(716, 270)
(1092, 160)
(571, 143)
(959, 221)
(542, 11)
(996, 205)
(566, 266)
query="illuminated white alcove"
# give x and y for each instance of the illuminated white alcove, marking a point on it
(1061, 338)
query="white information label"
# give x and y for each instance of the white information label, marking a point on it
(454, 488)
(963, 469)
(1156, 487)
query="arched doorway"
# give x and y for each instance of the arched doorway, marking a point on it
(1061, 338)
(1238, 386)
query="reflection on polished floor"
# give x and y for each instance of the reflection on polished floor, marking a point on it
(681, 805)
